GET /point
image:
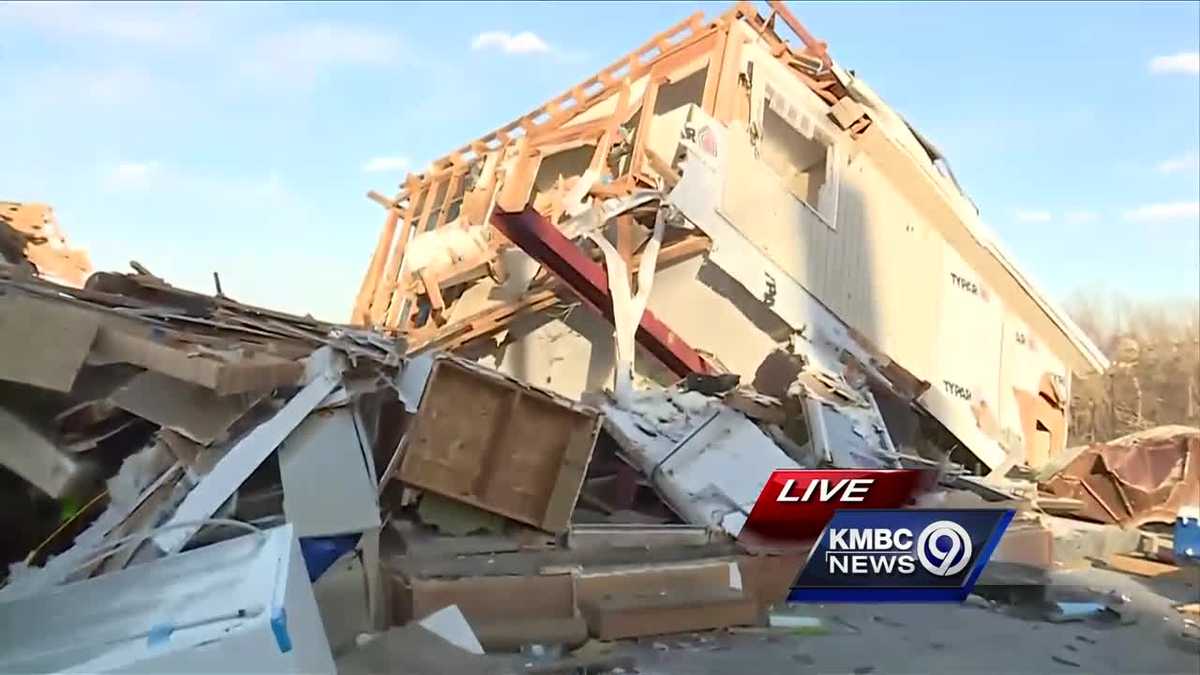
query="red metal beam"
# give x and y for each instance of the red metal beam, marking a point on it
(539, 238)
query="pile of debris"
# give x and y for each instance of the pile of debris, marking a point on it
(382, 490)
(31, 238)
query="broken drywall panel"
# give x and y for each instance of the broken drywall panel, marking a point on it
(194, 411)
(250, 451)
(164, 617)
(411, 382)
(44, 342)
(499, 444)
(568, 356)
(31, 455)
(326, 450)
(708, 460)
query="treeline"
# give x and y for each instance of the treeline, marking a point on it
(1155, 376)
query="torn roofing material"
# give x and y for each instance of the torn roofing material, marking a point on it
(1145, 477)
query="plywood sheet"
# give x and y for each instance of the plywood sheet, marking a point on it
(495, 443)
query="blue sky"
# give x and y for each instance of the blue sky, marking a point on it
(242, 138)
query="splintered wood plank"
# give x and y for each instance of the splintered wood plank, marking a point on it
(716, 66)
(377, 310)
(362, 303)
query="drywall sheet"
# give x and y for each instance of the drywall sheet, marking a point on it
(327, 486)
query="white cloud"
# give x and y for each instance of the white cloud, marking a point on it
(1026, 216)
(134, 23)
(1186, 162)
(524, 42)
(1080, 217)
(382, 164)
(131, 176)
(73, 88)
(1164, 212)
(300, 53)
(1181, 62)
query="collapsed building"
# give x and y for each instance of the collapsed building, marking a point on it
(798, 212)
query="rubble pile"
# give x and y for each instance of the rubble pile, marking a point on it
(578, 354)
(30, 237)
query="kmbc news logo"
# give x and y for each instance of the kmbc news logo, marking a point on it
(863, 546)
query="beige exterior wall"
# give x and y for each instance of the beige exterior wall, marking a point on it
(883, 266)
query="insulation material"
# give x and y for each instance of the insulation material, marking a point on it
(446, 249)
